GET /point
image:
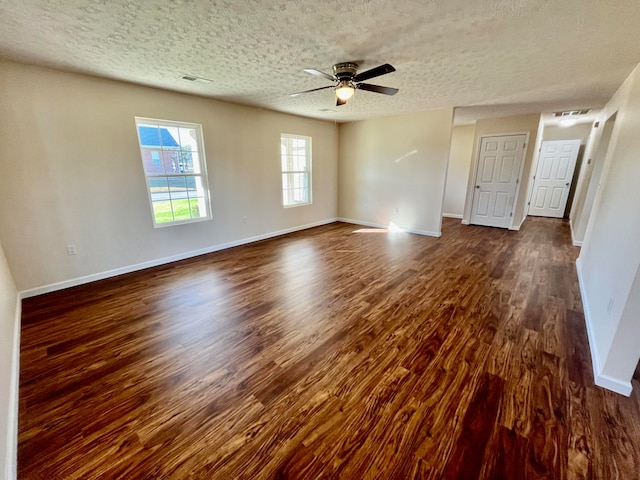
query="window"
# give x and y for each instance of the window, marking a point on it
(174, 167)
(295, 153)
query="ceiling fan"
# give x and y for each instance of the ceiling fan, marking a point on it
(347, 80)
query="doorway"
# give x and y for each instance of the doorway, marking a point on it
(500, 161)
(583, 203)
(554, 174)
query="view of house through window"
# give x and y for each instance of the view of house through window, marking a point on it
(174, 167)
(295, 153)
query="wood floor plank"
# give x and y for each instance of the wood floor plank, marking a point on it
(548, 438)
(477, 427)
(335, 352)
(504, 456)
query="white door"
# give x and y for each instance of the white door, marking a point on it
(552, 182)
(499, 162)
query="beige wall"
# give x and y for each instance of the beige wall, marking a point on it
(462, 138)
(393, 170)
(610, 257)
(580, 131)
(73, 175)
(9, 324)
(504, 125)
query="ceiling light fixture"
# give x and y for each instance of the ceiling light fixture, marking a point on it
(567, 122)
(344, 90)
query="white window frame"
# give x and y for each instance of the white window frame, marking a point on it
(204, 200)
(289, 172)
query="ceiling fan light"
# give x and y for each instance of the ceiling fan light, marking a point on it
(344, 90)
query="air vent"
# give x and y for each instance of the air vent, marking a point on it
(193, 78)
(571, 113)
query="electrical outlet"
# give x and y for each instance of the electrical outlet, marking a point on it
(71, 250)
(244, 219)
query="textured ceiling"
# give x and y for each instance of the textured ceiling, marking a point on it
(496, 56)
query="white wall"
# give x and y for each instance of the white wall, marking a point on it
(455, 192)
(393, 170)
(589, 179)
(72, 174)
(610, 256)
(9, 356)
(623, 356)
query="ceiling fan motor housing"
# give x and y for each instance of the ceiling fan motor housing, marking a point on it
(345, 71)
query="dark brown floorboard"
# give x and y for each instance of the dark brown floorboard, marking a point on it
(328, 353)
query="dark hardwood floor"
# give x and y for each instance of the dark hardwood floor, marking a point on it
(328, 353)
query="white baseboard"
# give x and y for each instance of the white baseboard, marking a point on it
(379, 225)
(617, 385)
(576, 243)
(517, 227)
(11, 467)
(452, 215)
(162, 261)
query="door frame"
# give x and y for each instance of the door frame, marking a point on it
(474, 171)
(534, 171)
(578, 217)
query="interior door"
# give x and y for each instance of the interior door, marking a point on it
(497, 175)
(553, 178)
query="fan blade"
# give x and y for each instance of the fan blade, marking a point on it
(339, 102)
(318, 73)
(377, 88)
(374, 72)
(312, 90)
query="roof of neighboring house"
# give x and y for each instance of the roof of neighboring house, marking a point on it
(149, 137)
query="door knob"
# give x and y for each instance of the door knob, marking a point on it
(567, 184)
(477, 186)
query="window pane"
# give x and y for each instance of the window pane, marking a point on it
(162, 211)
(187, 161)
(170, 159)
(158, 188)
(149, 135)
(177, 188)
(197, 206)
(151, 161)
(188, 137)
(169, 137)
(195, 187)
(181, 210)
(300, 195)
(299, 180)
